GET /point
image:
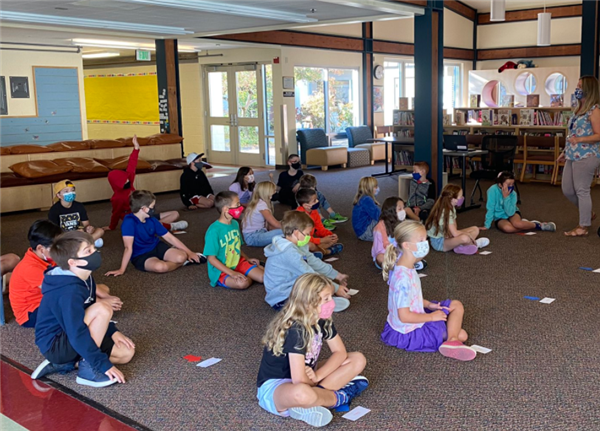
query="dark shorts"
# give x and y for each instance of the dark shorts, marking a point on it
(159, 252)
(62, 352)
(31, 319)
(499, 220)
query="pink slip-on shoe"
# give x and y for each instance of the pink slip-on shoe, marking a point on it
(457, 350)
(466, 249)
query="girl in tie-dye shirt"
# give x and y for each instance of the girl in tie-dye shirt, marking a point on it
(415, 324)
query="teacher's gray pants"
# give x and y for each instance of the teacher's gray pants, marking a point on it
(576, 183)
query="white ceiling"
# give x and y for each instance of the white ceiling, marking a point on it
(484, 5)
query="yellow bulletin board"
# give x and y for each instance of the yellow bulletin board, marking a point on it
(122, 98)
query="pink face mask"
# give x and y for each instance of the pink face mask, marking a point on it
(460, 201)
(327, 309)
(236, 212)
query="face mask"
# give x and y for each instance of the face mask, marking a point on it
(511, 188)
(376, 192)
(578, 93)
(422, 249)
(69, 197)
(198, 165)
(296, 166)
(304, 242)
(127, 185)
(460, 201)
(250, 179)
(416, 176)
(402, 215)
(94, 261)
(236, 212)
(151, 212)
(327, 309)
(315, 206)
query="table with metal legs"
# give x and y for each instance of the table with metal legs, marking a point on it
(400, 143)
(466, 155)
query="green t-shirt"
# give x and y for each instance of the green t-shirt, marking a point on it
(440, 234)
(225, 242)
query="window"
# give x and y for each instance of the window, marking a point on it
(452, 88)
(398, 81)
(340, 109)
(269, 114)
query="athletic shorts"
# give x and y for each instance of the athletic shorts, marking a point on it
(159, 252)
(243, 267)
(62, 352)
(265, 396)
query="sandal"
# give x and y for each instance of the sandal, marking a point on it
(578, 231)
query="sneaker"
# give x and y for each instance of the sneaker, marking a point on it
(99, 243)
(457, 350)
(318, 255)
(336, 249)
(466, 249)
(179, 225)
(314, 416)
(87, 376)
(203, 259)
(341, 304)
(338, 218)
(327, 224)
(549, 226)
(47, 367)
(482, 242)
(421, 265)
(356, 386)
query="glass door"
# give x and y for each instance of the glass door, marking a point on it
(236, 129)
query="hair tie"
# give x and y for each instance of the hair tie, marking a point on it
(500, 174)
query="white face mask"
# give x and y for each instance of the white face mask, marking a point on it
(422, 249)
(250, 179)
(401, 215)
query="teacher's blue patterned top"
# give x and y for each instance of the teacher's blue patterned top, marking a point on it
(581, 125)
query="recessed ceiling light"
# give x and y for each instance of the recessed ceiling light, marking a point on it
(101, 55)
(93, 23)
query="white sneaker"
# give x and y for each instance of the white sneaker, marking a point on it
(482, 242)
(549, 226)
(99, 243)
(340, 304)
(179, 225)
(315, 416)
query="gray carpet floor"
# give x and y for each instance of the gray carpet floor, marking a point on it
(542, 373)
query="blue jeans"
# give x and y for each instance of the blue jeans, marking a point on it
(261, 238)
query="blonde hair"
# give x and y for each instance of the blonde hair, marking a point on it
(591, 94)
(295, 220)
(366, 187)
(404, 232)
(442, 208)
(308, 181)
(263, 190)
(302, 309)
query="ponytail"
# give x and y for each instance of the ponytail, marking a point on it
(389, 260)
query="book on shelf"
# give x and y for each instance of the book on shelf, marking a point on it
(460, 118)
(543, 118)
(474, 100)
(403, 118)
(403, 103)
(487, 117)
(562, 118)
(404, 158)
(508, 100)
(556, 100)
(447, 119)
(533, 100)
(504, 117)
(526, 117)
(412, 103)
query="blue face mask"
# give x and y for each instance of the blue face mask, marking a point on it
(376, 192)
(416, 176)
(511, 188)
(69, 197)
(578, 93)
(422, 249)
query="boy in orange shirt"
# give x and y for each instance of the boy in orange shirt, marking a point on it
(323, 241)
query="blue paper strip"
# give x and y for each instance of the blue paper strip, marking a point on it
(585, 268)
(532, 298)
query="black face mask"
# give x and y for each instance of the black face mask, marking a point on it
(151, 212)
(296, 166)
(94, 261)
(127, 185)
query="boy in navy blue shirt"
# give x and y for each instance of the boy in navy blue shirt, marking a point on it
(142, 231)
(71, 325)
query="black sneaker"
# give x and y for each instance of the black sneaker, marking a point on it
(89, 377)
(203, 259)
(48, 367)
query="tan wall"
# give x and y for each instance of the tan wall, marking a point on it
(458, 30)
(397, 30)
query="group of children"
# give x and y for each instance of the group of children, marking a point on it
(52, 288)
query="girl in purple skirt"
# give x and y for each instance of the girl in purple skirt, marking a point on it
(415, 324)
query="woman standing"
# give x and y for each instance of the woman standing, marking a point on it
(582, 152)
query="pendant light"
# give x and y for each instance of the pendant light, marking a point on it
(497, 10)
(544, 27)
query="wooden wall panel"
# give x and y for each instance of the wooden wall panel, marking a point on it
(461, 9)
(296, 38)
(393, 48)
(459, 54)
(529, 52)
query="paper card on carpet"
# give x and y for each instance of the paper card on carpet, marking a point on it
(331, 259)
(485, 253)
(547, 300)
(480, 349)
(356, 413)
(529, 233)
(179, 232)
(596, 271)
(208, 362)
(192, 358)
(352, 292)
(422, 275)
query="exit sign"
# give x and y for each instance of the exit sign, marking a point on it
(141, 55)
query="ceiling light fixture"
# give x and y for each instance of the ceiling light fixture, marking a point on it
(228, 9)
(101, 55)
(376, 5)
(90, 23)
(115, 44)
(544, 28)
(498, 10)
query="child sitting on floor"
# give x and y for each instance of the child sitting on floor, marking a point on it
(421, 196)
(413, 323)
(122, 185)
(141, 233)
(228, 266)
(71, 325)
(288, 182)
(308, 181)
(194, 189)
(259, 224)
(289, 257)
(26, 283)
(243, 185)
(502, 208)
(322, 241)
(8, 262)
(69, 214)
(289, 382)
(441, 225)
(366, 212)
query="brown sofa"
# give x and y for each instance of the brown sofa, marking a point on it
(28, 172)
